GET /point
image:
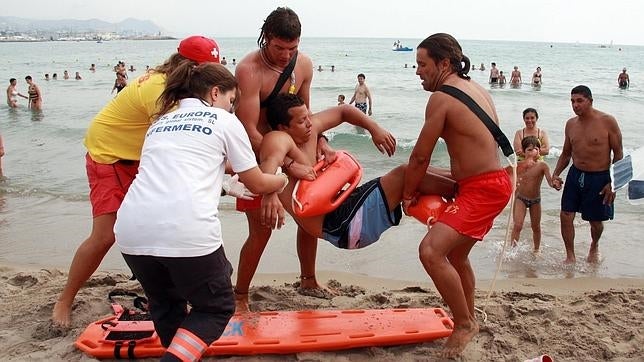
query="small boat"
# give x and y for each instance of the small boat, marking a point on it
(402, 49)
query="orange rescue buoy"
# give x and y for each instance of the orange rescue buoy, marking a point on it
(428, 208)
(333, 184)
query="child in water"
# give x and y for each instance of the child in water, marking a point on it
(530, 173)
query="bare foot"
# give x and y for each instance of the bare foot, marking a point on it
(593, 256)
(309, 282)
(318, 292)
(461, 336)
(310, 287)
(536, 252)
(570, 260)
(61, 315)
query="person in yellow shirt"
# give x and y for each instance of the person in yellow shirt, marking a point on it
(114, 140)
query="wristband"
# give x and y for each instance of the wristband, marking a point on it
(323, 136)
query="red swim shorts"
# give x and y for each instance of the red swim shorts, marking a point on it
(249, 205)
(479, 200)
(108, 184)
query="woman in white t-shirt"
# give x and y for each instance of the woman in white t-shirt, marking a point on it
(168, 228)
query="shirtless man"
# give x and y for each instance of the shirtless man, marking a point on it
(589, 139)
(296, 128)
(361, 95)
(622, 80)
(484, 188)
(257, 74)
(494, 74)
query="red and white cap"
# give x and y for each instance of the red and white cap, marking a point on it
(200, 49)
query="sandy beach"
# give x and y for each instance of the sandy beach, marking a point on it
(582, 319)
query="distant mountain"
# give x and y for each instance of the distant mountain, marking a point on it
(130, 26)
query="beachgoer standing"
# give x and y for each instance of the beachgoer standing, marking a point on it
(114, 139)
(530, 118)
(13, 94)
(622, 80)
(362, 95)
(536, 77)
(530, 173)
(119, 83)
(589, 139)
(502, 79)
(515, 77)
(494, 74)
(35, 97)
(484, 187)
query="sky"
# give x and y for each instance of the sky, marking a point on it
(568, 21)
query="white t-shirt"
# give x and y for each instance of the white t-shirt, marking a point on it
(171, 207)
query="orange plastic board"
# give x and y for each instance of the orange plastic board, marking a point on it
(278, 332)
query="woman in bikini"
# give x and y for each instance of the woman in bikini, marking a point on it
(530, 117)
(35, 98)
(536, 77)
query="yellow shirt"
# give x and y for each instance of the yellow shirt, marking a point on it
(118, 130)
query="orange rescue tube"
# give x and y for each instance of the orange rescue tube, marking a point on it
(428, 208)
(333, 184)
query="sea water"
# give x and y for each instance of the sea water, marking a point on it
(44, 207)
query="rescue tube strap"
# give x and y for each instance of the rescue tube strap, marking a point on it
(286, 73)
(498, 135)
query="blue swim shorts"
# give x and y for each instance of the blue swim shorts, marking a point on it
(581, 194)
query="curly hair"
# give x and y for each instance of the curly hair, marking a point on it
(281, 23)
(277, 111)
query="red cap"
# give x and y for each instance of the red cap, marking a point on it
(199, 48)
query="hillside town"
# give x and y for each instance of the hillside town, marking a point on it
(38, 36)
(14, 29)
